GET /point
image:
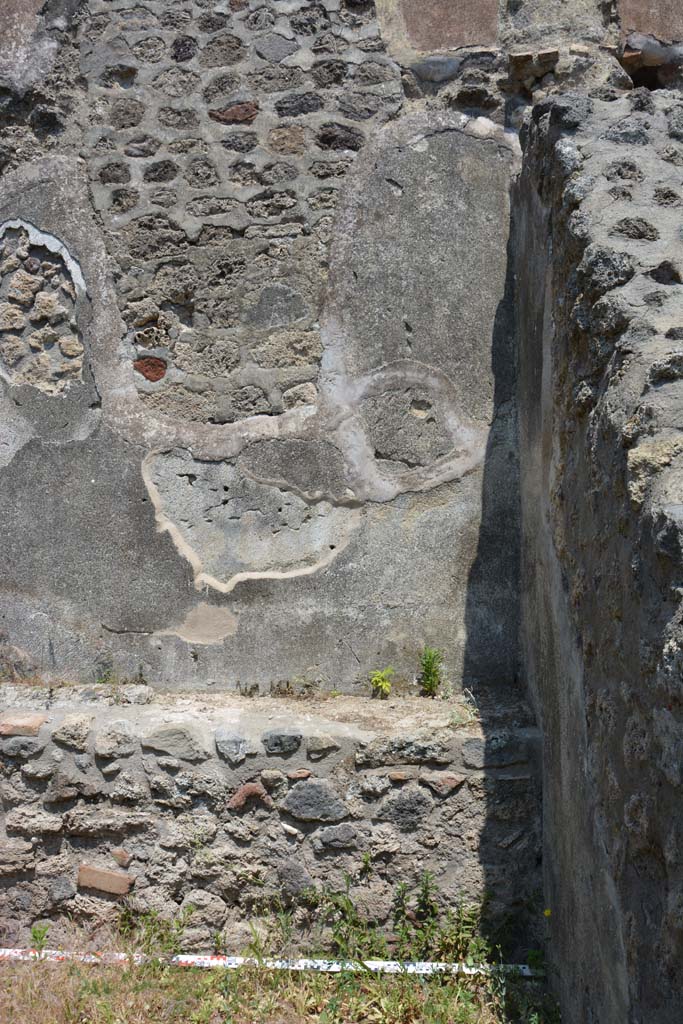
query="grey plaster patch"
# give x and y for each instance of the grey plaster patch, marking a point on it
(232, 528)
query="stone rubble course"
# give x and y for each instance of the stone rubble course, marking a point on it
(171, 821)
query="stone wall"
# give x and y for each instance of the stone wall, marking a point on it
(288, 340)
(262, 282)
(278, 361)
(239, 806)
(600, 315)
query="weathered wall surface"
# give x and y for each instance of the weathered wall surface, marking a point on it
(222, 406)
(256, 325)
(230, 806)
(258, 426)
(600, 320)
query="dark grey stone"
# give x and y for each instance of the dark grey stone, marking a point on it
(62, 888)
(336, 837)
(293, 877)
(402, 750)
(275, 48)
(302, 103)
(603, 269)
(281, 742)
(23, 746)
(231, 746)
(407, 809)
(314, 800)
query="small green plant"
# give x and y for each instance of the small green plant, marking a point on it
(39, 934)
(431, 668)
(536, 960)
(366, 868)
(381, 682)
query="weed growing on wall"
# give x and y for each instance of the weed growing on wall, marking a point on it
(431, 671)
(381, 682)
(39, 936)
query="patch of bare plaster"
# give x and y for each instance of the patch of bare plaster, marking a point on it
(204, 624)
(232, 528)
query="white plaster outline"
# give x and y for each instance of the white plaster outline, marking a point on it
(53, 244)
(203, 579)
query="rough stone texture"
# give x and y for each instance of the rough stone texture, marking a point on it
(601, 484)
(227, 835)
(220, 371)
(281, 520)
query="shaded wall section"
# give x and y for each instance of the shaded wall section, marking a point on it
(599, 314)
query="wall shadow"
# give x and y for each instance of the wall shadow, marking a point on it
(511, 841)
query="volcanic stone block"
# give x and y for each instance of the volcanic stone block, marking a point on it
(16, 855)
(117, 739)
(31, 822)
(176, 741)
(231, 746)
(73, 732)
(314, 801)
(281, 742)
(407, 809)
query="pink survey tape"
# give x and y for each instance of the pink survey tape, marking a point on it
(303, 964)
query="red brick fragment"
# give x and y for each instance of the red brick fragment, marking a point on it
(116, 882)
(121, 856)
(249, 791)
(299, 773)
(442, 783)
(17, 723)
(236, 113)
(151, 367)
